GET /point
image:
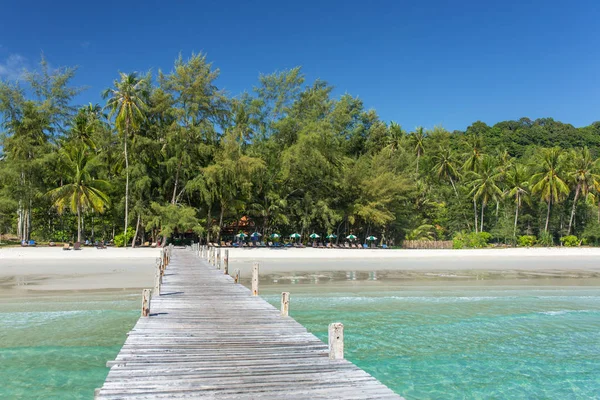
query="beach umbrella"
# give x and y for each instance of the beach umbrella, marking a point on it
(241, 235)
(256, 234)
(314, 236)
(331, 236)
(295, 236)
(275, 236)
(371, 238)
(351, 237)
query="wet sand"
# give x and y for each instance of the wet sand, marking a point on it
(52, 269)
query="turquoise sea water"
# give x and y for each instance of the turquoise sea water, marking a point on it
(424, 342)
(56, 347)
(466, 343)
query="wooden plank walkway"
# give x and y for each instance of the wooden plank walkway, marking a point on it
(209, 338)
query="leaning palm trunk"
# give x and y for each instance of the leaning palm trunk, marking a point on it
(574, 207)
(137, 229)
(79, 223)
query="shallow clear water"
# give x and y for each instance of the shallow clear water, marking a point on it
(425, 342)
(57, 347)
(441, 343)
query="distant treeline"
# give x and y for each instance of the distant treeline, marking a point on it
(171, 153)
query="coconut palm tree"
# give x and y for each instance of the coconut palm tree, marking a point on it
(445, 166)
(127, 103)
(417, 139)
(517, 187)
(473, 158)
(484, 184)
(81, 192)
(583, 174)
(549, 180)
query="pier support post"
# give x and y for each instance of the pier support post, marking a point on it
(146, 303)
(157, 281)
(219, 258)
(336, 341)
(236, 276)
(285, 304)
(255, 279)
(226, 262)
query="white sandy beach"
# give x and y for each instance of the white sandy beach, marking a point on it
(46, 268)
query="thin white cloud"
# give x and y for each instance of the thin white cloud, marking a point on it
(13, 67)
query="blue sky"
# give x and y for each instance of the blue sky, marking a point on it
(428, 62)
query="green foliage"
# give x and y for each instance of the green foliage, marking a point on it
(471, 240)
(570, 241)
(591, 233)
(546, 239)
(119, 242)
(185, 159)
(527, 240)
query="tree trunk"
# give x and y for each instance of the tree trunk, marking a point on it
(574, 207)
(176, 182)
(454, 187)
(137, 229)
(79, 223)
(516, 217)
(126, 184)
(418, 156)
(481, 221)
(220, 223)
(548, 216)
(475, 212)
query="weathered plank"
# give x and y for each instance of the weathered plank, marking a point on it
(208, 338)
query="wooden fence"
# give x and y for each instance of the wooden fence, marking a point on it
(427, 244)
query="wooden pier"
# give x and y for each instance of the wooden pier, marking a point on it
(207, 337)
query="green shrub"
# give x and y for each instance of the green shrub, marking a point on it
(119, 237)
(527, 240)
(591, 233)
(546, 239)
(471, 240)
(570, 241)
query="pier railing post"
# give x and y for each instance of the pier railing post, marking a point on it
(236, 276)
(285, 304)
(157, 280)
(336, 341)
(218, 258)
(146, 303)
(226, 262)
(255, 279)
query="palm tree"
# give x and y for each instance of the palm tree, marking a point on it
(485, 185)
(473, 160)
(127, 102)
(82, 192)
(517, 187)
(445, 166)
(395, 136)
(549, 181)
(583, 173)
(417, 139)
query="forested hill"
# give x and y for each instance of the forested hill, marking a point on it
(516, 136)
(171, 153)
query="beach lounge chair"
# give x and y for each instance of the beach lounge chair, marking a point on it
(146, 244)
(153, 244)
(365, 246)
(223, 243)
(77, 246)
(384, 246)
(66, 246)
(346, 246)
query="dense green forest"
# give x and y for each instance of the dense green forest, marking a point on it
(171, 153)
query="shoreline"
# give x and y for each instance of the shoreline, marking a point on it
(43, 269)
